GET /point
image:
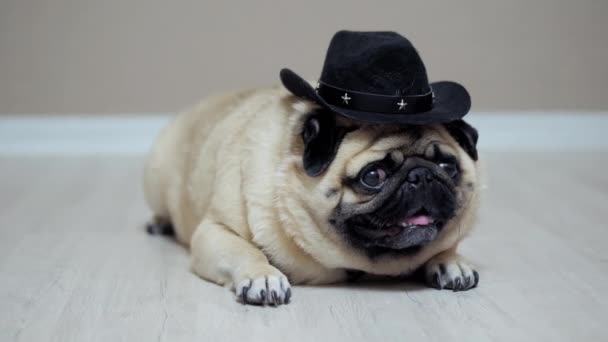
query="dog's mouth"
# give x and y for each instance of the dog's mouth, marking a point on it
(410, 231)
(420, 219)
(406, 223)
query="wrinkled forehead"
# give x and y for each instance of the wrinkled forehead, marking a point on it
(365, 146)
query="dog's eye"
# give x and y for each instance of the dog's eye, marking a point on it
(450, 169)
(373, 177)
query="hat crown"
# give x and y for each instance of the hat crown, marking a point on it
(378, 77)
(383, 63)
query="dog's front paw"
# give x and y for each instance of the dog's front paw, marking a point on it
(267, 289)
(450, 273)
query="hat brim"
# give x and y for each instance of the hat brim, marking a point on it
(452, 102)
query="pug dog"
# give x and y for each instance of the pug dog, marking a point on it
(268, 190)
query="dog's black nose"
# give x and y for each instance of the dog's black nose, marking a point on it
(419, 176)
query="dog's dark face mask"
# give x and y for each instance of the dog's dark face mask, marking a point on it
(411, 203)
(407, 196)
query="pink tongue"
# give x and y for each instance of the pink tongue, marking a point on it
(420, 220)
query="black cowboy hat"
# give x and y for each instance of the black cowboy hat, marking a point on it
(378, 77)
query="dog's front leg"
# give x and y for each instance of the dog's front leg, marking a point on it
(221, 256)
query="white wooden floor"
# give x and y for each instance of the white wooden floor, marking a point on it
(76, 265)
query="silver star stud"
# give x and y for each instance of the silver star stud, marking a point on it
(345, 98)
(402, 104)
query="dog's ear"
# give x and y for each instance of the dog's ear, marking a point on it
(322, 137)
(465, 135)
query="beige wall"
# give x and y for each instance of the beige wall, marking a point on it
(161, 55)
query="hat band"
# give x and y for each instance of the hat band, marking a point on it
(367, 102)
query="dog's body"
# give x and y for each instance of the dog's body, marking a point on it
(233, 178)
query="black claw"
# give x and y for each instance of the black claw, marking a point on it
(154, 228)
(449, 285)
(466, 280)
(442, 269)
(244, 293)
(288, 295)
(457, 284)
(436, 282)
(275, 297)
(476, 275)
(262, 296)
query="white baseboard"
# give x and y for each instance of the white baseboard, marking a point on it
(133, 134)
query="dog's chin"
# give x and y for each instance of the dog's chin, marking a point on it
(404, 236)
